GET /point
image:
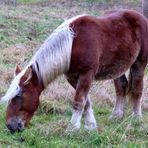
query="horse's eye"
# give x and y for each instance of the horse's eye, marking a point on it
(20, 93)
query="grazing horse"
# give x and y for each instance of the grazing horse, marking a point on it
(84, 48)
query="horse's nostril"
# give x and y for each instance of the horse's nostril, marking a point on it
(10, 128)
(15, 125)
(19, 125)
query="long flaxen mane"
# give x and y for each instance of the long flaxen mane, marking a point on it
(52, 59)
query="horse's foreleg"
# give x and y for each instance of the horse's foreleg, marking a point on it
(90, 122)
(136, 86)
(82, 88)
(121, 85)
(89, 118)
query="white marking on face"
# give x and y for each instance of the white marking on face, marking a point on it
(14, 88)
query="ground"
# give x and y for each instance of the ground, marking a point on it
(22, 30)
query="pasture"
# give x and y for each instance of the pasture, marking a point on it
(22, 30)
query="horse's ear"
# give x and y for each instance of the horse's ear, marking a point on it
(17, 70)
(27, 76)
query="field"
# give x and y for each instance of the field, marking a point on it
(22, 30)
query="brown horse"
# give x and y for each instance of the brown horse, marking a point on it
(84, 48)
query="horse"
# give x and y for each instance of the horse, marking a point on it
(84, 48)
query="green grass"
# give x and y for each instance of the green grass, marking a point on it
(16, 29)
(29, 1)
(48, 130)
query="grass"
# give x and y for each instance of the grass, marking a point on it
(22, 30)
(48, 130)
(22, 27)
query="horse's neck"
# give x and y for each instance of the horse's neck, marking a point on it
(46, 75)
(53, 58)
(52, 73)
(49, 66)
(37, 80)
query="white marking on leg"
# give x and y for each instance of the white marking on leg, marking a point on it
(137, 109)
(75, 121)
(90, 121)
(118, 111)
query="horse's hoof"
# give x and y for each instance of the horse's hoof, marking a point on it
(72, 128)
(137, 115)
(91, 126)
(116, 117)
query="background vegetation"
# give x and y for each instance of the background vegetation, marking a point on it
(24, 25)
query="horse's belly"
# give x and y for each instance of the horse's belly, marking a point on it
(112, 67)
(111, 72)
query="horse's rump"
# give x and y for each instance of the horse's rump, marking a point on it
(110, 44)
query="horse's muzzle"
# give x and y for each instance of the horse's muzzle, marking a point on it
(15, 126)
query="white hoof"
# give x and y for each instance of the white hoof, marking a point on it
(73, 127)
(137, 115)
(117, 115)
(90, 126)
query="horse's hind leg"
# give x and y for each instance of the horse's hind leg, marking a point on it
(121, 85)
(136, 86)
(80, 99)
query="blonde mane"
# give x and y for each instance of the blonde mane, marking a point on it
(52, 59)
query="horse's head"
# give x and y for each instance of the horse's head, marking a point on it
(23, 96)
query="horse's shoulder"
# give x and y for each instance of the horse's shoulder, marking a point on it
(84, 19)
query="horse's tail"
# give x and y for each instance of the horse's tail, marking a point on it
(138, 67)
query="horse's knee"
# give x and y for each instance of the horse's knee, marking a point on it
(78, 105)
(82, 90)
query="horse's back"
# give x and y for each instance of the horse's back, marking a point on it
(110, 44)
